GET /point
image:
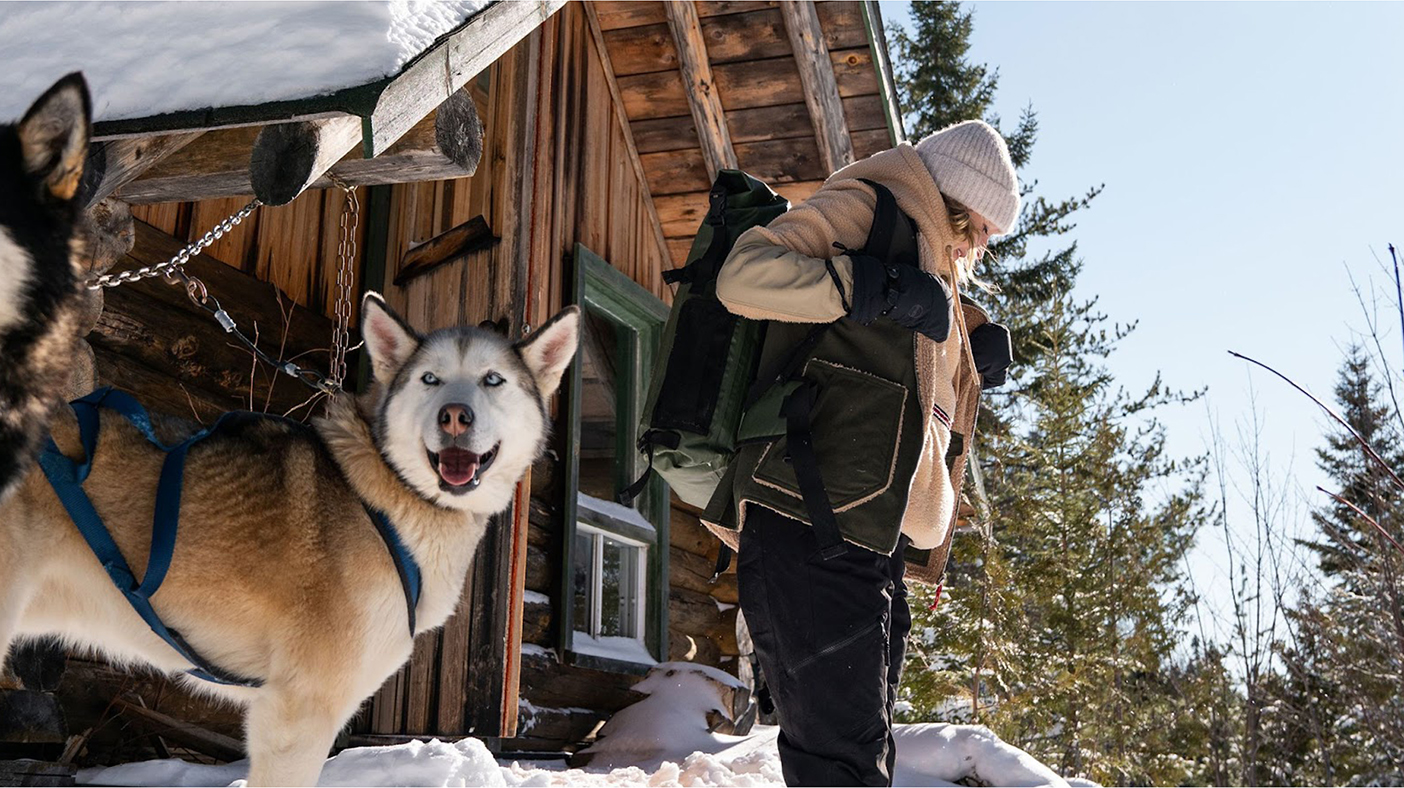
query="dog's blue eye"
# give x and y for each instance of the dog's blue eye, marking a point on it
(494, 379)
(429, 379)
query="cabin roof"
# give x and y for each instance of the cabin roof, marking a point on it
(148, 59)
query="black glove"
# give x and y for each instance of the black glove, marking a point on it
(993, 353)
(911, 297)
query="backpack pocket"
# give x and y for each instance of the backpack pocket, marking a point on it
(856, 425)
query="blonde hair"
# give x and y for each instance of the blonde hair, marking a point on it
(959, 216)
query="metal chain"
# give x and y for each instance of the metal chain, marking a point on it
(173, 269)
(345, 280)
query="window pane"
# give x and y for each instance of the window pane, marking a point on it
(620, 593)
(583, 574)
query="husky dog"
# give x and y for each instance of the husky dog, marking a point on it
(41, 162)
(279, 573)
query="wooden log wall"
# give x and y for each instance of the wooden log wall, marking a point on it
(760, 90)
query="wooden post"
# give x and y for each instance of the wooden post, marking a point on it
(288, 157)
(816, 73)
(701, 90)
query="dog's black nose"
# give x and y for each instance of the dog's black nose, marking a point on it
(455, 419)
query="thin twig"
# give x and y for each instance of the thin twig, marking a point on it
(1369, 452)
(1365, 516)
(1398, 292)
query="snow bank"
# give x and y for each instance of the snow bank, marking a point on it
(658, 742)
(671, 723)
(149, 58)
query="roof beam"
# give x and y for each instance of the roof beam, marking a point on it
(821, 93)
(440, 72)
(115, 163)
(288, 157)
(446, 144)
(701, 89)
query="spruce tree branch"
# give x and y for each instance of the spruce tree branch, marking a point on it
(1364, 516)
(1369, 452)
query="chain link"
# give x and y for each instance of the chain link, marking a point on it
(345, 280)
(173, 269)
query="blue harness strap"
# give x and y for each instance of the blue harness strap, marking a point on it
(67, 477)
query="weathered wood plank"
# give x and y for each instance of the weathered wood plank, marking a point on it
(549, 683)
(115, 163)
(755, 35)
(435, 76)
(446, 247)
(218, 745)
(642, 50)
(821, 95)
(720, 7)
(864, 113)
(656, 95)
(676, 172)
(842, 21)
(622, 119)
(700, 86)
(866, 143)
(774, 161)
(628, 13)
(658, 135)
(780, 122)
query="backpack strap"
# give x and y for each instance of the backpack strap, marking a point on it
(799, 442)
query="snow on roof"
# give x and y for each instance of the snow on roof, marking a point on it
(151, 58)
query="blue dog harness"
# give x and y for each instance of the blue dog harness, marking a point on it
(67, 477)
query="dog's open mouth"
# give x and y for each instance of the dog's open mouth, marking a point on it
(460, 470)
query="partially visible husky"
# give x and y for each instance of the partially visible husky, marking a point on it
(279, 573)
(41, 162)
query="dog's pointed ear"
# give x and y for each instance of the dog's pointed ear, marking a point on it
(550, 349)
(54, 136)
(389, 340)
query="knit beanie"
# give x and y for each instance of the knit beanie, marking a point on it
(970, 163)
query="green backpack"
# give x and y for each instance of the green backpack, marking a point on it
(708, 358)
(706, 375)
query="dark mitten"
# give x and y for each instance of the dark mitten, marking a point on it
(993, 352)
(908, 295)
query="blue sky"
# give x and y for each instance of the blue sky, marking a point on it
(1250, 152)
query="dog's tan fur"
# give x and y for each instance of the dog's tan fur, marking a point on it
(278, 573)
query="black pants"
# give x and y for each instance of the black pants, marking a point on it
(830, 637)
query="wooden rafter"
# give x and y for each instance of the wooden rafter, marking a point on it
(115, 163)
(440, 146)
(623, 119)
(288, 157)
(821, 92)
(701, 89)
(441, 71)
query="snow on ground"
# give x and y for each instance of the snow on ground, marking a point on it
(149, 58)
(660, 741)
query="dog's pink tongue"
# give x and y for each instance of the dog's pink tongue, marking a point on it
(457, 466)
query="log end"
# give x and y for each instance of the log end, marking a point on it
(458, 131)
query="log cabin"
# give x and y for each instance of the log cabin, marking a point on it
(535, 155)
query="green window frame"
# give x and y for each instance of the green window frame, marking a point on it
(637, 318)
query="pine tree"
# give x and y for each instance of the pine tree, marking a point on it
(1346, 667)
(1059, 615)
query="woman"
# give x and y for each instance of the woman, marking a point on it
(892, 389)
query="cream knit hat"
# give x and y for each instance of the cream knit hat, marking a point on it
(970, 163)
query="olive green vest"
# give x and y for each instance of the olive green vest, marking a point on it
(867, 429)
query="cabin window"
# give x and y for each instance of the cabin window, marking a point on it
(614, 572)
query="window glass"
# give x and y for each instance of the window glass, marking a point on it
(619, 597)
